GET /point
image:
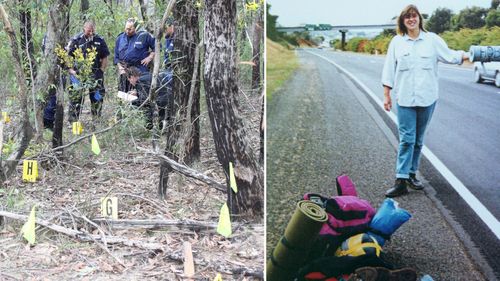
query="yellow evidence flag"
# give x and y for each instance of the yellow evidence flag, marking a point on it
(232, 179)
(28, 230)
(224, 226)
(95, 146)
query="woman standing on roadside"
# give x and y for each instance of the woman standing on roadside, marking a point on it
(410, 72)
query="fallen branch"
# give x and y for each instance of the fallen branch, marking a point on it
(190, 224)
(185, 170)
(85, 236)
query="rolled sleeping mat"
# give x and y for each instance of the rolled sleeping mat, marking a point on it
(305, 224)
(292, 249)
(484, 53)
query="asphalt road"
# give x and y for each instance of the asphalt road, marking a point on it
(320, 125)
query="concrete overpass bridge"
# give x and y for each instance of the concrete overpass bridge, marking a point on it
(343, 29)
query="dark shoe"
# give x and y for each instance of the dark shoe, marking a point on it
(383, 274)
(414, 183)
(398, 189)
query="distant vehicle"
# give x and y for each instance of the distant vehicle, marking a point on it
(487, 71)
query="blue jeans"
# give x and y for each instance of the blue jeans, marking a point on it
(412, 124)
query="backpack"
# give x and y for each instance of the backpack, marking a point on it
(345, 186)
(347, 216)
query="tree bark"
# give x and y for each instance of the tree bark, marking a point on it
(27, 41)
(26, 131)
(84, 7)
(185, 86)
(221, 89)
(185, 43)
(257, 38)
(49, 74)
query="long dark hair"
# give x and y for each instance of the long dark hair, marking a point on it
(401, 28)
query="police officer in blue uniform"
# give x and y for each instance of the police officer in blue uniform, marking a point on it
(133, 48)
(87, 40)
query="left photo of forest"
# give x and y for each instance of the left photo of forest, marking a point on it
(132, 140)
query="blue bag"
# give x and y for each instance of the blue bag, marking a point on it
(74, 81)
(97, 96)
(387, 220)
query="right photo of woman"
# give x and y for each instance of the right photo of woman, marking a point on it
(382, 140)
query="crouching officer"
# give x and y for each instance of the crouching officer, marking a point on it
(140, 86)
(86, 41)
(133, 48)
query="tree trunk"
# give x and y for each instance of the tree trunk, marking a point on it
(26, 131)
(183, 148)
(257, 38)
(221, 90)
(49, 73)
(84, 7)
(185, 43)
(26, 41)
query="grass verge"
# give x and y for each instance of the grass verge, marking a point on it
(281, 63)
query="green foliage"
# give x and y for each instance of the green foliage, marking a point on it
(353, 45)
(471, 17)
(271, 21)
(440, 20)
(463, 39)
(493, 18)
(8, 147)
(492, 37)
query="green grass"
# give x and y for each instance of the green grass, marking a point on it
(281, 63)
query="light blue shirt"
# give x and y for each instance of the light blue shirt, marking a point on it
(410, 67)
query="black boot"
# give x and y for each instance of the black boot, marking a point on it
(414, 183)
(398, 189)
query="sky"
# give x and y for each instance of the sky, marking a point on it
(357, 12)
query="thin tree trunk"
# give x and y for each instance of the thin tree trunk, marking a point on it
(49, 74)
(27, 41)
(183, 148)
(27, 53)
(257, 38)
(26, 131)
(84, 8)
(221, 89)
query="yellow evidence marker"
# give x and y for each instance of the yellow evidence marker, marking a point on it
(77, 128)
(232, 179)
(224, 226)
(218, 277)
(30, 170)
(109, 207)
(5, 117)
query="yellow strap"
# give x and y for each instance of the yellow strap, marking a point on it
(362, 245)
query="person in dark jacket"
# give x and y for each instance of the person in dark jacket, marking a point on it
(86, 41)
(140, 86)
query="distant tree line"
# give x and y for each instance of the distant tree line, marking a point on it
(295, 39)
(443, 19)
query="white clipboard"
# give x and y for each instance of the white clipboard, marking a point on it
(126, 97)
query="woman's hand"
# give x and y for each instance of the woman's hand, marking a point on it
(387, 103)
(387, 98)
(465, 56)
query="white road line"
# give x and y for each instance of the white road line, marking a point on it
(483, 213)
